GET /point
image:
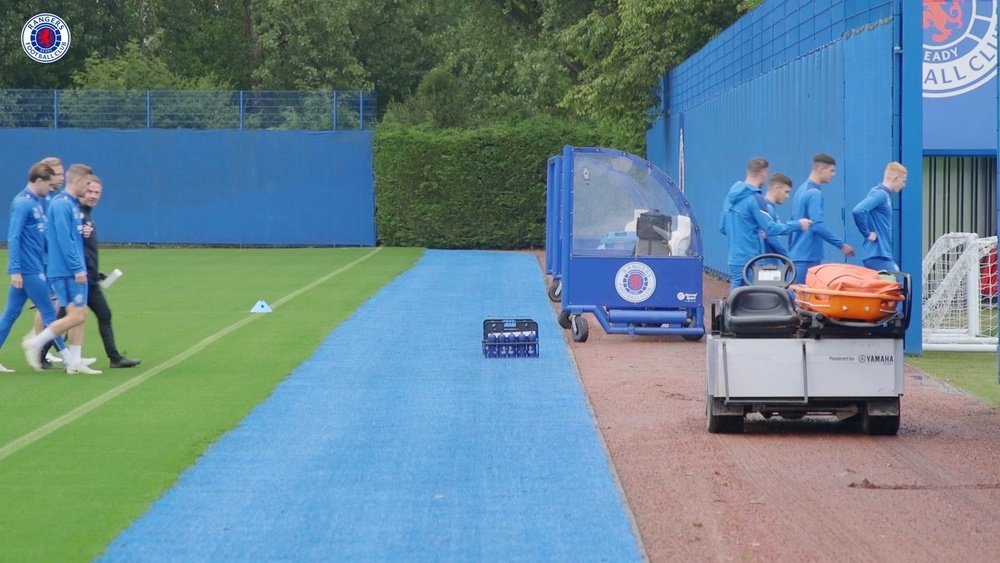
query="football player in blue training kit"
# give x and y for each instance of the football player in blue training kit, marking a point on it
(873, 216)
(66, 271)
(743, 221)
(806, 249)
(779, 189)
(26, 252)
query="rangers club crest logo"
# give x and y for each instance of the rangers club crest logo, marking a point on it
(45, 38)
(960, 46)
(635, 282)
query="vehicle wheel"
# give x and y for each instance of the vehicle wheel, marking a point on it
(693, 337)
(555, 291)
(580, 327)
(564, 319)
(880, 425)
(725, 424)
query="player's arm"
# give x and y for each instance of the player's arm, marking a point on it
(766, 223)
(814, 211)
(774, 245)
(862, 214)
(18, 218)
(62, 227)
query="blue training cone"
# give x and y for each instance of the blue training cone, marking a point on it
(261, 307)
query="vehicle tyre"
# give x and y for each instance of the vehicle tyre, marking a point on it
(580, 328)
(564, 320)
(555, 291)
(725, 424)
(880, 425)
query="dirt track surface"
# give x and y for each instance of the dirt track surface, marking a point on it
(807, 490)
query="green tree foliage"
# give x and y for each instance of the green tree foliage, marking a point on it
(623, 46)
(133, 70)
(435, 63)
(101, 28)
(305, 45)
(201, 38)
(440, 102)
(397, 42)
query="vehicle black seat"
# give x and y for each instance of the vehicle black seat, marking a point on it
(760, 311)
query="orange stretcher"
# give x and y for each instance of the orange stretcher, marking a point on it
(845, 292)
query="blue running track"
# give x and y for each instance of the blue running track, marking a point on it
(398, 440)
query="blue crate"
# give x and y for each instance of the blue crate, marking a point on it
(510, 338)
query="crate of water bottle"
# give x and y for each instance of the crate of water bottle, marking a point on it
(510, 338)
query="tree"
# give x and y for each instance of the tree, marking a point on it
(132, 70)
(305, 45)
(623, 53)
(202, 37)
(95, 27)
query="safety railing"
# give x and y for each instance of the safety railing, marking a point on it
(188, 109)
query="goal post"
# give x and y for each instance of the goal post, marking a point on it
(960, 294)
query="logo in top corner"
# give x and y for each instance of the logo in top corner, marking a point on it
(635, 282)
(45, 38)
(960, 46)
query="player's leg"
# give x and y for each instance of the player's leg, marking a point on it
(38, 290)
(15, 303)
(46, 356)
(99, 305)
(73, 296)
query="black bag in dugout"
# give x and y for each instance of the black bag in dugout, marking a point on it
(646, 221)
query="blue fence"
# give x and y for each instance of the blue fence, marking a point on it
(188, 109)
(274, 188)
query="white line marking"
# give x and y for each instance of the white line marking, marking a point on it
(56, 424)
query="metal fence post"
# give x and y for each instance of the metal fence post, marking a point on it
(241, 110)
(334, 110)
(361, 109)
(149, 109)
(55, 109)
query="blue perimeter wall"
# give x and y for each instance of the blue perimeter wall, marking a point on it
(786, 81)
(227, 187)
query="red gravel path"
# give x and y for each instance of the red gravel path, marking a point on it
(809, 490)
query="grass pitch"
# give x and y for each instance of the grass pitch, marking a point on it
(72, 478)
(973, 372)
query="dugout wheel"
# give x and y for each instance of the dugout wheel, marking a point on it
(564, 319)
(555, 291)
(580, 328)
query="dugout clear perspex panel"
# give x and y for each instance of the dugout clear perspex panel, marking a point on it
(625, 206)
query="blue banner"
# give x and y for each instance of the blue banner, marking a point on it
(959, 76)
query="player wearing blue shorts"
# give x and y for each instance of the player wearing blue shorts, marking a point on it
(26, 252)
(873, 216)
(66, 270)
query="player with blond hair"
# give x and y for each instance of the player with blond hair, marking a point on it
(873, 217)
(66, 270)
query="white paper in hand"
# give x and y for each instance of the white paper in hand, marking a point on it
(112, 278)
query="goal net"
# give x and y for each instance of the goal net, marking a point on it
(960, 294)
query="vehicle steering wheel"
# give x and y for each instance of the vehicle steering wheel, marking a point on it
(777, 275)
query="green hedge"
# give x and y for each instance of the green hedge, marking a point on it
(481, 188)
